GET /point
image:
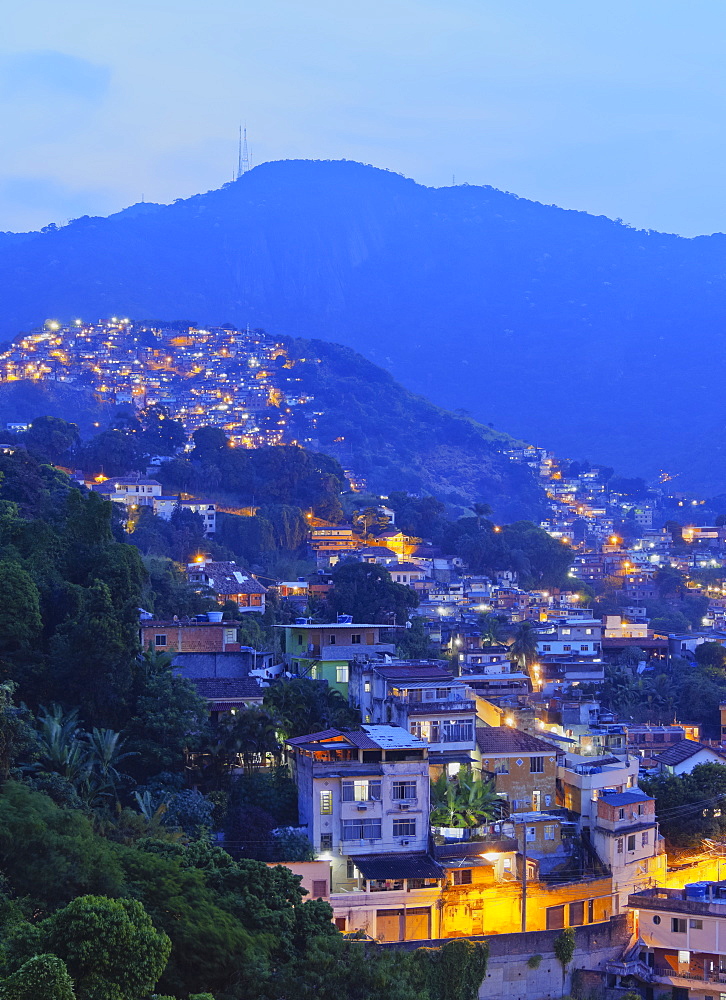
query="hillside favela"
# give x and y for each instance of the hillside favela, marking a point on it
(362, 522)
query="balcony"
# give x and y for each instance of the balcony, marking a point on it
(436, 707)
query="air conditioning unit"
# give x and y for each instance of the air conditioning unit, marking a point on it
(362, 805)
(405, 843)
(404, 805)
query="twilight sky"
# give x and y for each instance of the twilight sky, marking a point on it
(617, 108)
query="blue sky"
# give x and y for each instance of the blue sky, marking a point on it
(616, 108)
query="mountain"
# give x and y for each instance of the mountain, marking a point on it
(572, 331)
(371, 424)
(400, 441)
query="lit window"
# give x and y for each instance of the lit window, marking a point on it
(549, 831)
(326, 803)
(367, 687)
(341, 674)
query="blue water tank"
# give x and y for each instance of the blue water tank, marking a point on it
(697, 890)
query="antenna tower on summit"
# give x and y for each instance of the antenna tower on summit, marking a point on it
(243, 157)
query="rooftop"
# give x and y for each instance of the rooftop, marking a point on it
(683, 750)
(505, 739)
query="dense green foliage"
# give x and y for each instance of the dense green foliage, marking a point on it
(367, 592)
(263, 476)
(691, 806)
(398, 440)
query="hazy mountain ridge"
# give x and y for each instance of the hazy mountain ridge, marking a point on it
(571, 330)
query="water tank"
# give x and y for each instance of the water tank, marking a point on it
(214, 616)
(345, 619)
(697, 890)
(301, 621)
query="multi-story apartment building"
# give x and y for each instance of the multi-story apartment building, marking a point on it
(524, 767)
(579, 636)
(364, 800)
(682, 935)
(328, 651)
(423, 698)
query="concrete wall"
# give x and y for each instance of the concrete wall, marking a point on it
(509, 977)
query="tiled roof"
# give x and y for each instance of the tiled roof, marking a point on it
(397, 866)
(682, 751)
(321, 737)
(228, 578)
(213, 688)
(504, 739)
(412, 673)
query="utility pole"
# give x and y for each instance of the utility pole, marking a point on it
(524, 878)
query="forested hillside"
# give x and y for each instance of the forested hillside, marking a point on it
(562, 328)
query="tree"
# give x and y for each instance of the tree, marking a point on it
(110, 946)
(463, 801)
(300, 706)
(564, 949)
(524, 643)
(92, 659)
(711, 654)
(481, 510)
(168, 717)
(251, 735)
(366, 591)
(17, 740)
(51, 438)
(494, 631)
(42, 977)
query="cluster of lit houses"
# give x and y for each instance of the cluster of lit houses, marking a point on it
(240, 380)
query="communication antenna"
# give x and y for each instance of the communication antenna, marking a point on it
(243, 156)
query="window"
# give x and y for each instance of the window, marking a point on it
(631, 842)
(620, 845)
(462, 877)
(584, 647)
(531, 833)
(546, 648)
(549, 831)
(403, 790)
(299, 640)
(696, 925)
(320, 888)
(361, 790)
(678, 926)
(361, 829)
(355, 639)
(656, 919)
(341, 674)
(566, 631)
(588, 631)
(621, 814)
(350, 870)
(590, 911)
(367, 687)
(501, 766)
(442, 693)
(459, 731)
(536, 765)
(326, 841)
(160, 640)
(331, 640)
(326, 803)
(404, 828)
(567, 649)
(644, 838)
(577, 913)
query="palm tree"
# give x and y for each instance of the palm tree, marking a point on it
(61, 748)
(524, 643)
(493, 630)
(106, 753)
(464, 801)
